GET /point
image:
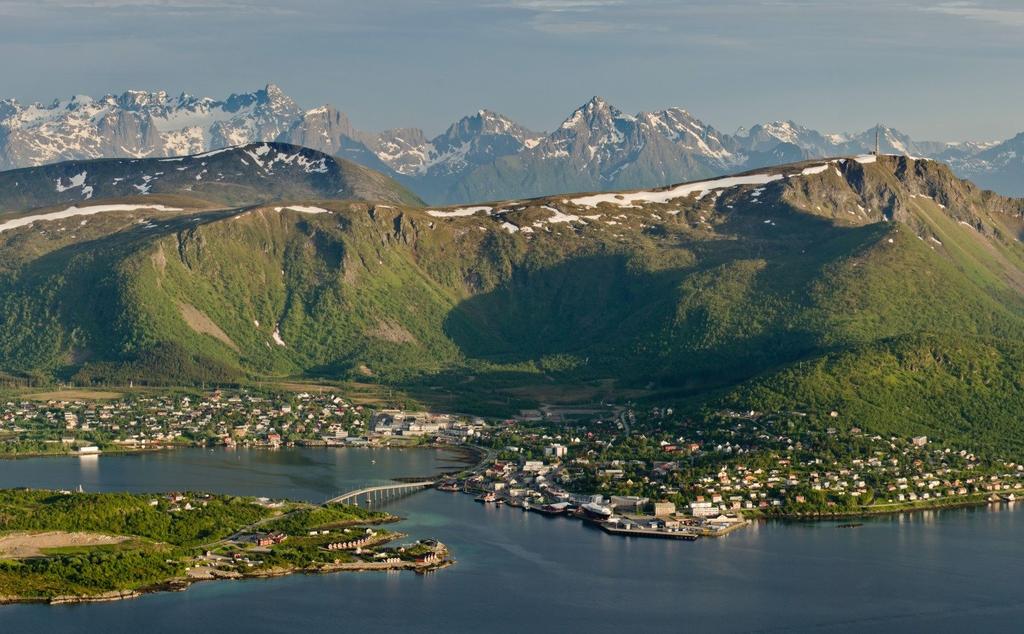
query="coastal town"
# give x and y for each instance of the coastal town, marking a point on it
(630, 470)
(240, 419)
(642, 467)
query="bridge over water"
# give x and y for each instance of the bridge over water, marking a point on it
(381, 493)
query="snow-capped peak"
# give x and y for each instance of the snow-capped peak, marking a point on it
(474, 140)
(139, 123)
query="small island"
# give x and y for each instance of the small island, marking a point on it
(67, 547)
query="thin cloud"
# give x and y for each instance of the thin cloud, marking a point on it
(562, 6)
(974, 11)
(38, 7)
(574, 17)
(574, 27)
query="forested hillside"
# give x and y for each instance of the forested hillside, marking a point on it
(885, 287)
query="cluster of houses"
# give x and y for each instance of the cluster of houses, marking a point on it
(141, 422)
(265, 540)
(179, 502)
(894, 470)
(432, 557)
(237, 419)
(353, 544)
(745, 461)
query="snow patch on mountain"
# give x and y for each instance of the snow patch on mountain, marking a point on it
(559, 216)
(457, 213)
(74, 182)
(816, 169)
(305, 209)
(679, 191)
(277, 336)
(260, 154)
(78, 211)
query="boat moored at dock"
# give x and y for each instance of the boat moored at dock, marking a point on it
(557, 508)
(595, 512)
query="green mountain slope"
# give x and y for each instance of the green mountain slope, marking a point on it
(885, 288)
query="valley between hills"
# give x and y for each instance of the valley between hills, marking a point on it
(883, 287)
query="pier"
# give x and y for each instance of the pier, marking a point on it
(687, 535)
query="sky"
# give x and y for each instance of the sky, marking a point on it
(948, 70)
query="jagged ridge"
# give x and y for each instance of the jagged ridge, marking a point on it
(483, 156)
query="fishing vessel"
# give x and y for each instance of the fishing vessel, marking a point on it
(558, 508)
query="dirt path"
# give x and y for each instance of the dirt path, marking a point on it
(21, 545)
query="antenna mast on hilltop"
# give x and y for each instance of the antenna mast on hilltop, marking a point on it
(878, 127)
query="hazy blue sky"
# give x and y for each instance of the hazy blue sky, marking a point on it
(938, 70)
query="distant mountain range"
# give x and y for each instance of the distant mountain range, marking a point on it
(483, 156)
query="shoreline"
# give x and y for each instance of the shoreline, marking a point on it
(105, 452)
(181, 584)
(907, 510)
(472, 457)
(378, 550)
(745, 518)
(469, 454)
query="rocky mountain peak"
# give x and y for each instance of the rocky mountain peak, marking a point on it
(595, 113)
(485, 154)
(486, 123)
(140, 99)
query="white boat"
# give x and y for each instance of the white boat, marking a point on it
(597, 512)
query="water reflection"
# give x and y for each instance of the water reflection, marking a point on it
(89, 466)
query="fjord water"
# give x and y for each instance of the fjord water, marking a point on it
(518, 571)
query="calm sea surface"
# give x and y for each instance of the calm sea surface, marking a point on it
(516, 571)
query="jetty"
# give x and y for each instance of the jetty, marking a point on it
(687, 535)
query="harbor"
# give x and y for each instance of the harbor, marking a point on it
(630, 521)
(551, 561)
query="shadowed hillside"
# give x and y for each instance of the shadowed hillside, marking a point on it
(234, 176)
(778, 288)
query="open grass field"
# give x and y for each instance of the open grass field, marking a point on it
(73, 394)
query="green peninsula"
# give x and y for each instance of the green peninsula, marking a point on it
(64, 547)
